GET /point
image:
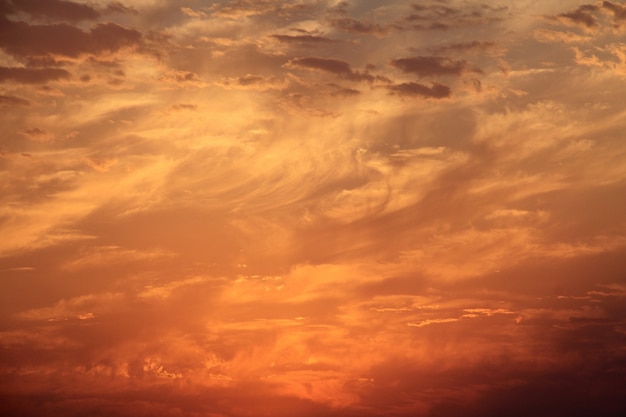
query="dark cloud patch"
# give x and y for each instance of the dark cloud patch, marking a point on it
(339, 91)
(32, 75)
(430, 11)
(184, 106)
(572, 394)
(302, 39)
(325, 64)
(23, 40)
(250, 80)
(441, 17)
(582, 16)
(436, 90)
(43, 61)
(464, 47)
(117, 7)
(13, 101)
(36, 134)
(427, 66)
(357, 26)
(618, 11)
(238, 9)
(334, 66)
(433, 26)
(56, 9)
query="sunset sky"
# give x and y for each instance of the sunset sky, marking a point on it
(312, 208)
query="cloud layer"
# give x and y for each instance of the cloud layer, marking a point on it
(312, 208)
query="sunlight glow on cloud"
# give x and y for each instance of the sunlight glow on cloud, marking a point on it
(312, 208)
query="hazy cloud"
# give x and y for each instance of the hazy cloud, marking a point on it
(357, 26)
(302, 39)
(13, 100)
(618, 11)
(583, 16)
(56, 9)
(32, 75)
(428, 66)
(334, 66)
(313, 208)
(22, 39)
(436, 90)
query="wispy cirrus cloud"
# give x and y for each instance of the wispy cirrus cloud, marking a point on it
(223, 201)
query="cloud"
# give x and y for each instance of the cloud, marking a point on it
(117, 7)
(618, 11)
(13, 100)
(338, 17)
(22, 40)
(191, 12)
(302, 39)
(428, 66)
(99, 257)
(547, 35)
(249, 228)
(56, 9)
(334, 66)
(80, 308)
(435, 17)
(101, 164)
(183, 107)
(254, 82)
(436, 90)
(430, 322)
(357, 26)
(37, 134)
(581, 16)
(182, 78)
(461, 47)
(32, 75)
(343, 92)
(241, 9)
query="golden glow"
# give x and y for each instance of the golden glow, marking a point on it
(312, 208)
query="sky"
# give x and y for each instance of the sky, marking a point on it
(312, 208)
